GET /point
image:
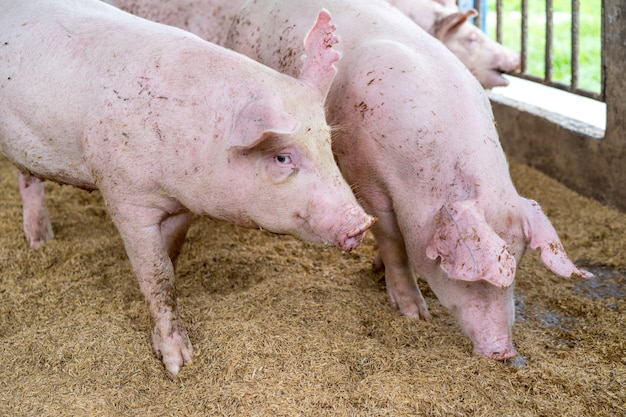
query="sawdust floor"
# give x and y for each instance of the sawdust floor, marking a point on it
(285, 328)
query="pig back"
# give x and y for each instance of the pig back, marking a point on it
(65, 67)
(435, 127)
(107, 76)
(209, 19)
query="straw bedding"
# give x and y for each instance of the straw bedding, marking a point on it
(286, 328)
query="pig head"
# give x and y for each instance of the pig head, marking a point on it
(166, 124)
(436, 179)
(473, 262)
(485, 58)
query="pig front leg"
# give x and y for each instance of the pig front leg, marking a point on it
(142, 231)
(37, 225)
(404, 294)
(173, 231)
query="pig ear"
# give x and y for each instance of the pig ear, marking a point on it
(468, 247)
(319, 56)
(258, 120)
(452, 22)
(541, 235)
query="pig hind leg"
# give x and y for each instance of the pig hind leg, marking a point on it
(37, 225)
(402, 288)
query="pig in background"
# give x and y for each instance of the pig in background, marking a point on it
(414, 135)
(165, 124)
(484, 57)
(211, 19)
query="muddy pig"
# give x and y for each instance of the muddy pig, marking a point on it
(165, 124)
(485, 58)
(433, 173)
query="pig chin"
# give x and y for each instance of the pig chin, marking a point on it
(350, 242)
(494, 78)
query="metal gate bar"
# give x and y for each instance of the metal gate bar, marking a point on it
(547, 79)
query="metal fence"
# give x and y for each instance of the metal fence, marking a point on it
(547, 78)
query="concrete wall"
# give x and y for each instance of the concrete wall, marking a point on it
(567, 151)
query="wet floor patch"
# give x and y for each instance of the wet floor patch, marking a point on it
(562, 322)
(546, 318)
(609, 284)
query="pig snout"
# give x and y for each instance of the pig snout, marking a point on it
(344, 228)
(488, 323)
(357, 222)
(485, 311)
(506, 61)
(489, 327)
(509, 62)
(487, 318)
(495, 348)
(502, 351)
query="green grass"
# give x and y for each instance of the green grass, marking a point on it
(590, 16)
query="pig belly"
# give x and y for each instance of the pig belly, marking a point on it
(41, 156)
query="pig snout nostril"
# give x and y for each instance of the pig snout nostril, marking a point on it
(357, 233)
(364, 223)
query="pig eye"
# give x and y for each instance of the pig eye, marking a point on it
(283, 159)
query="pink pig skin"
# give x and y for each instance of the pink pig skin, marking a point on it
(165, 124)
(211, 19)
(484, 57)
(437, 179)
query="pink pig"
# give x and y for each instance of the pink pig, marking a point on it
(165, 124)
(437, 178)
(485, 58)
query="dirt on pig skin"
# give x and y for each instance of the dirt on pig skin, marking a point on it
(285, 328)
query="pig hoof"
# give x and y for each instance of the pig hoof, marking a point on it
(174, 351)
(415, 309)
(39, 235)
(410, 303)
(38, 242)
(417, 312)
